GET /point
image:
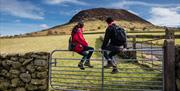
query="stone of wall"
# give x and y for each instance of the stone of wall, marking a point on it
(177, 62)
(24, 72)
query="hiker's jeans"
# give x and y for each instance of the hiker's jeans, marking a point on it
(86, 53)
(111, 51)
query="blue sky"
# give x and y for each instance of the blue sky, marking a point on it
(22, 16)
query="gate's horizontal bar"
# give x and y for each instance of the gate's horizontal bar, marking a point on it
(61, 87)
(100, 59)
(161, 49)
(92, 84)
(110, 81)
(118, 68)
(145, 47)
(66, 78)
(126, 89)
(110, 76)
(60, 59)
(139, 82)
(124, 72)
(151, 86)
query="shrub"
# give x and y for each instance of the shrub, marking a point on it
(132, 29)
(99, 27)
(55, 32)
(49, 33)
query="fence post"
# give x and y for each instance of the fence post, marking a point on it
(169, 33)
(169, 61)
(134, 47)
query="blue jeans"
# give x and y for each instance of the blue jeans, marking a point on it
(113, 50)
(86, 53)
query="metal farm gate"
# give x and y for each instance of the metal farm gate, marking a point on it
(141, 73)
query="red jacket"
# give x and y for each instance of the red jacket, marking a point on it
(80, 41)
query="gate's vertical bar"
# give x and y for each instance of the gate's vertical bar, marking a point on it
(151, 52)
(102, 70)
(50, 66)
(134, 47)
(169, 61)
(142, 51)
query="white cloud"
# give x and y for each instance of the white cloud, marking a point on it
(125, 4)
(21, 9)
(165, 16)
(133, 12)
(69, 13)
(77, 2)
(44, 26)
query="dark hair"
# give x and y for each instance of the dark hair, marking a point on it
(74, 30)
(80, 24)
(109, 20)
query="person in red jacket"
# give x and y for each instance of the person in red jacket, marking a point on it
(81, 46)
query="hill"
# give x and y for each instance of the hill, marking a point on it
(103, 13)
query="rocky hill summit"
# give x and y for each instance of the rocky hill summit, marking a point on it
(103, 13)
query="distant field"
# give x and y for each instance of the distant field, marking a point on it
(36, 44)
(176, 33)
(49, 43)
(156, 42)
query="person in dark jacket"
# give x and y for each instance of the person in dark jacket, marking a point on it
(81, 46)
(111, 45)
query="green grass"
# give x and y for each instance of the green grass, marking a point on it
(36, 44)
(131, 76)
(49, 43)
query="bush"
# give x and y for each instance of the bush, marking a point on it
(92, 29)
(99, 27)
(132, 29)
(145, 29)
(49, 33)
(62, 33)
(55, 32)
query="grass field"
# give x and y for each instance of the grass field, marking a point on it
(49, 43)
(36, 44)
(176, 33)
(155, 42)
(131, 75)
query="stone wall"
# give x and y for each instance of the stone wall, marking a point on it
(24, 72)
(178, 67)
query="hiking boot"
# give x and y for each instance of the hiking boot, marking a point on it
(80, 65)
(109, 64)
(114, 71)
(88, 64)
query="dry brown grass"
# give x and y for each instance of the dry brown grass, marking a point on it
(36, 44)
(97, 26)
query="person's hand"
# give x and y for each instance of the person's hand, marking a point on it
(99, 49)
(124, 49)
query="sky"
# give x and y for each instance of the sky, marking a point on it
(23, 16)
